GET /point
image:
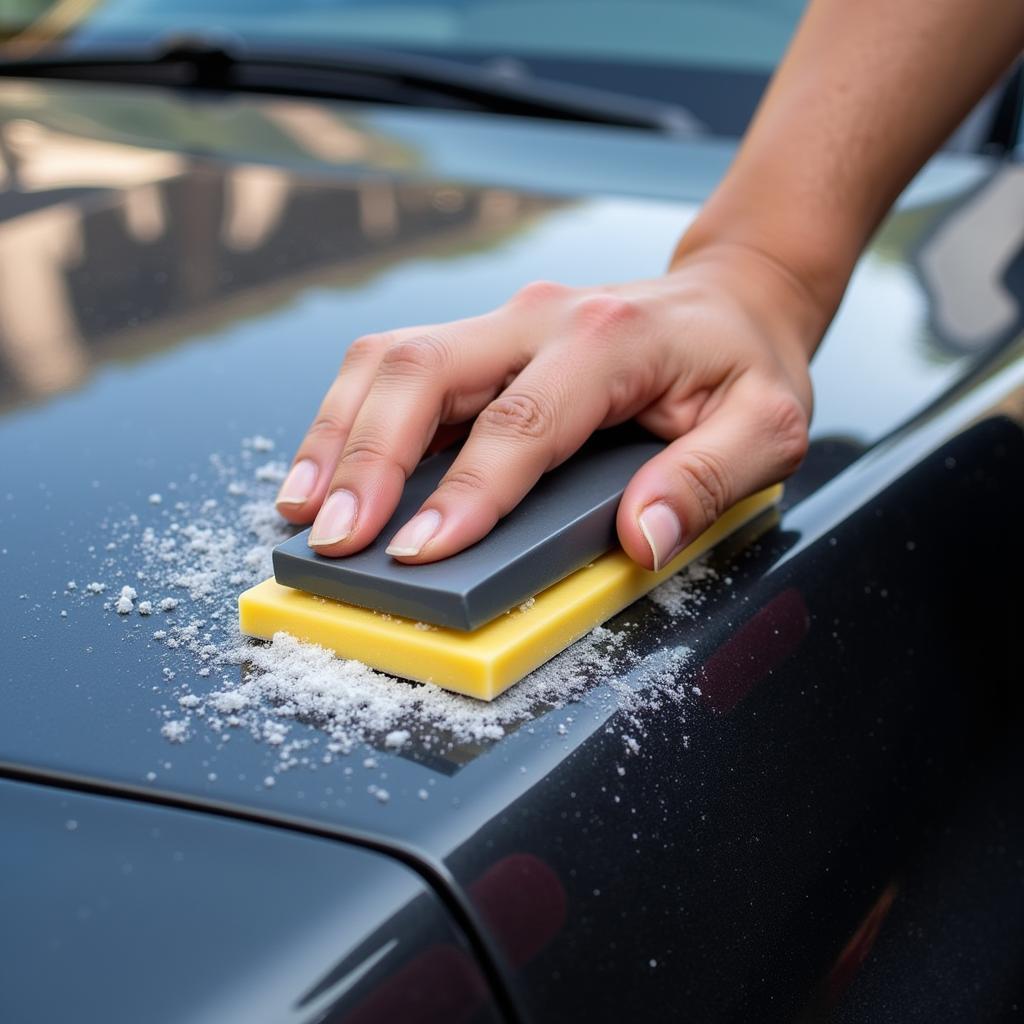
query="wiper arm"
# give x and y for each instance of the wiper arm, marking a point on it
(367, 75)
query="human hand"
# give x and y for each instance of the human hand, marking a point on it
(712, 357)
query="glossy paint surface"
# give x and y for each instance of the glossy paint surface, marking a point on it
(196, 271)
(127, 912)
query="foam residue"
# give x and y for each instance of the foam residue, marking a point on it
(189, 560)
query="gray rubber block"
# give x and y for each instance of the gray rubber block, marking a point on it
(565, 522)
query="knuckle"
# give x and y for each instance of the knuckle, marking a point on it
(326, 425)
(426, 355)
(539, 292)
(364, 448)
(705, 476)
(599, 317)
(786, 423)
(465, 480)
(520, 414)
(364, 350)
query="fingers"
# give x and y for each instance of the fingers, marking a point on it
(540, 374)
(306, 485)
(420, 381)
(303, 490)
(546, 413)
(755, 438)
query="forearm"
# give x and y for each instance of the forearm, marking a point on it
(866, 93)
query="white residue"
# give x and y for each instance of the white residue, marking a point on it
(209, 548)
(258, 443)
(272, 472)
(684, 593)
(176, 730)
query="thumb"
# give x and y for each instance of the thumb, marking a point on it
(748, 443)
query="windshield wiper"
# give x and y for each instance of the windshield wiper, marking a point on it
(364, 75)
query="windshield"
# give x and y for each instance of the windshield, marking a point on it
(713, 56)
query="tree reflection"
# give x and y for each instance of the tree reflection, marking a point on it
(109, 250)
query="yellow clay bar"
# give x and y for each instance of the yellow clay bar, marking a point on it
(484, 662)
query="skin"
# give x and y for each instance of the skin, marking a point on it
(712, 356)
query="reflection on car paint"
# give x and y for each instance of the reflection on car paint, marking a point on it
(727, 865)
(84, 284)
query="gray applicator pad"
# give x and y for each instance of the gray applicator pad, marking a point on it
(566, 521)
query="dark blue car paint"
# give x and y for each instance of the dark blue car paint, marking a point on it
(855, 673)
(121, 910)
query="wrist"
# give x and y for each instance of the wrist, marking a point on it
(809, 255)
(776, 297)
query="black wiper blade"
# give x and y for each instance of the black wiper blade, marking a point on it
(367, 75)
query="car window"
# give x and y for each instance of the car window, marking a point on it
(735, 33)
(747, 35)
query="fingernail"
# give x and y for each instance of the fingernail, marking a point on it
(335, 520)
(298, 484)
(410, 538)
(662, 531)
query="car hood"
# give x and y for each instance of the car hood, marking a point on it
(178, 281)
(125, 911)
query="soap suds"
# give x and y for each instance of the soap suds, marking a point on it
(189, 560)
